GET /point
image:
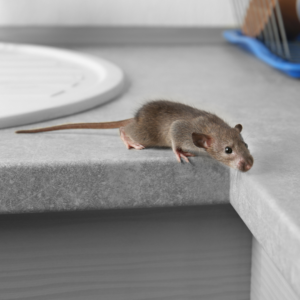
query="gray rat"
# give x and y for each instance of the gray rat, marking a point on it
(185, 129)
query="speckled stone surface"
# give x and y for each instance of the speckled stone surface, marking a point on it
(110, 182)
(89, 169)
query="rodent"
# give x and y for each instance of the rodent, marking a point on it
(183, 128)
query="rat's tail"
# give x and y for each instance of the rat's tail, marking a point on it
(104, 125)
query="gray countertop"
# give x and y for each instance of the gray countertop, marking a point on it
(92, 169)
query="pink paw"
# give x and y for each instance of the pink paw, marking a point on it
(128, 142)
(181, 154)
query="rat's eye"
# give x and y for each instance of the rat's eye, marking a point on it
(228, 150)
(246, 145)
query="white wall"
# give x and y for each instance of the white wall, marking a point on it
(117, 12)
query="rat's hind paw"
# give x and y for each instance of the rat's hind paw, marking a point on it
(136, 146)
(128, 142)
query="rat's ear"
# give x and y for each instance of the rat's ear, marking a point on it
(201, 140)
(238, 127)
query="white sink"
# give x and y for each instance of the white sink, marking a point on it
(39, 83)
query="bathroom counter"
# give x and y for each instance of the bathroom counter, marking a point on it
(92, 170)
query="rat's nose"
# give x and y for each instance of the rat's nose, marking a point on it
(244, 165)
(247, 167)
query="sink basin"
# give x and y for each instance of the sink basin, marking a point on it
(39, 83)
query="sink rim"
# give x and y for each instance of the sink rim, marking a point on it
(110, 84)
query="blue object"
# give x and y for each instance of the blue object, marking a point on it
(262, 52)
